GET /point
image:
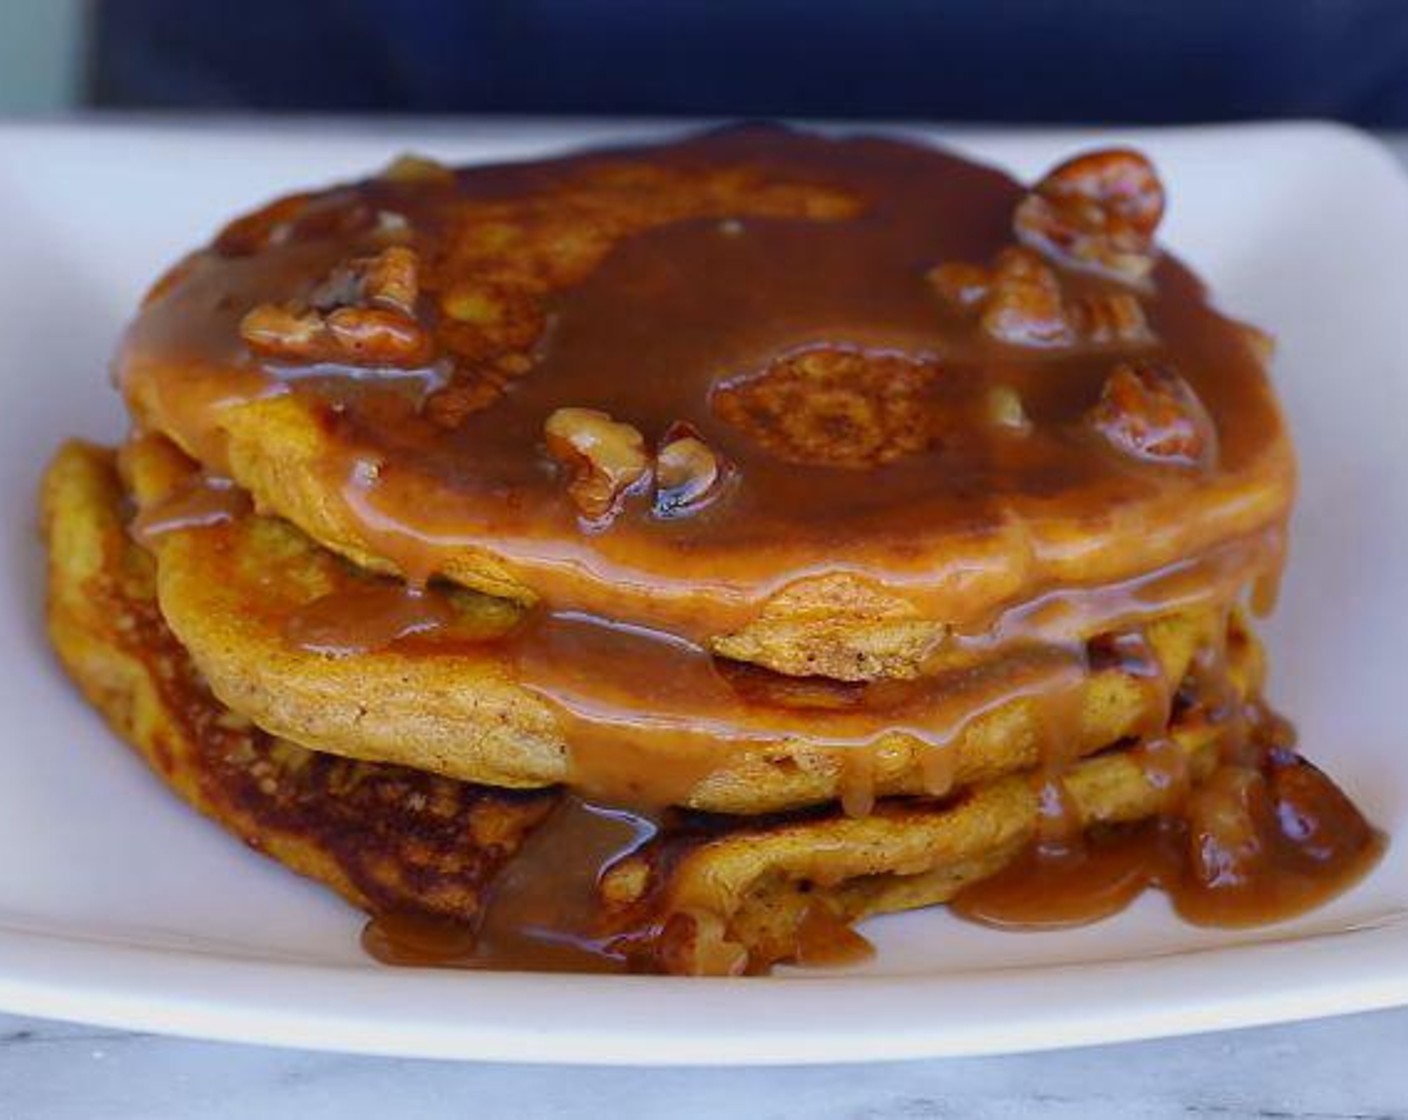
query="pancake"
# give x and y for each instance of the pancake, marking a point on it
(822, 404)
(663, 559)
(383, 837)
(516, 698)
(692, 893)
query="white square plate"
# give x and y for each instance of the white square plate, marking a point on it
(119, 906)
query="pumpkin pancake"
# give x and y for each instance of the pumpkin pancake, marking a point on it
(384, 837)
(840, 407)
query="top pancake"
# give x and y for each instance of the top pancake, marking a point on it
(897, 452)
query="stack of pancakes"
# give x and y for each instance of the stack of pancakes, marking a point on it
(662, 559)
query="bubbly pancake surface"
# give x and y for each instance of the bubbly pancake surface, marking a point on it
(767, 289)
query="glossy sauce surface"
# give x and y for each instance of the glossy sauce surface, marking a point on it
(648, 717)
(543, 914)
(1262, 838)
(367, 618)
(1257, 835)
(203, 501)
(964, 517)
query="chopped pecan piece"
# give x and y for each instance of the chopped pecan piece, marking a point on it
(1226, 824)
(1023, 303)
(412, 168)
(606, 458)
(1109, 318)
(388, 280)
(962, 284)
(688, 472)
(1097, 211)
(391, 280)
(1151, 413)
(697, 943)
(373, 336)
(1005, 409)
(279, 332)
(363, 313)
(1017, 301)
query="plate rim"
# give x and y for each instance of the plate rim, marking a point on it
(738, 1023)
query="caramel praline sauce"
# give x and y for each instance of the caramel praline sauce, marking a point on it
(650, 718)
(202, 502)
(1247, 834)
(1287, 858)
(1263, 836)
(955, 514)
(543, 912)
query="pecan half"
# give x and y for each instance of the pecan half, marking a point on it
(1149, 412)
(605, 457)
(1097, 211)
(1109, 318)
(1019, 301)
(389, 280)
(362, 313)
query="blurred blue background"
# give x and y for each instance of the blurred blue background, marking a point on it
(980, 60)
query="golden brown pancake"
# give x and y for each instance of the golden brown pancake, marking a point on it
(820, 404)
(703, 895)
(384, 837)
(509, 698)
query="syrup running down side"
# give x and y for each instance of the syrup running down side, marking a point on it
(204, 500)
(544, 914)
(1263, 837)
(649, 718)
(1258, 836)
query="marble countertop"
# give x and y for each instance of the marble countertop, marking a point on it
(1351, 1067)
